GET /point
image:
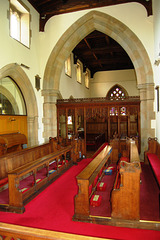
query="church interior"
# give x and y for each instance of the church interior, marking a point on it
(79, 119)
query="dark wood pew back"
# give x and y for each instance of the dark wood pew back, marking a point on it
(11, 161)
(153, 147)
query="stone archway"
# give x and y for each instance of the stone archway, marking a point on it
(110, 26)
(18, 75)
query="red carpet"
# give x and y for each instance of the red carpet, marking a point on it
(54, 207)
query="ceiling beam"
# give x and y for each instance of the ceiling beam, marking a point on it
(49, 8)
(94, 55)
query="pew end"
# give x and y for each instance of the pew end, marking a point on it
(125, 196)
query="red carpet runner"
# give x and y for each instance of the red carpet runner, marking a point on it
(54, 207)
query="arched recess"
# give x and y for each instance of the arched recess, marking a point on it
(18, 75)
(112, 27)
(10, 97)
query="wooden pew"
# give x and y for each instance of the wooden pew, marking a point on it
(85, 179)
(11, 142)
(125, 196)
(17, 166)
(11, 161)
(18, 195)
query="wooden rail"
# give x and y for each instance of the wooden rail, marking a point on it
(85, 179)
(10, 232)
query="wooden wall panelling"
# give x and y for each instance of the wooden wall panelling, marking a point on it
(12, 124)
(107, 116)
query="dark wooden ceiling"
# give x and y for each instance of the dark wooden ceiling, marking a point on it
(97, 51)
(49, 8)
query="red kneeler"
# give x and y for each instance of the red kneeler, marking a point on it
(95, 200)
(101, 186)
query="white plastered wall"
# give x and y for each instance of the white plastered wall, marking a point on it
(69, 85)
(14, 52)
(103, 81)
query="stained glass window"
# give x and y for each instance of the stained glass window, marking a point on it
(116, 93)
(113, 111)
(123, 111)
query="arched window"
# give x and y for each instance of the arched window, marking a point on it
(20, 22)
(117, 93)
(79, 72)
(68, 66)
(87, 78)
(11, 99)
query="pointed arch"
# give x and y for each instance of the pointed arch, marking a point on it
(15, 72)
(112, 27)
(114, 88)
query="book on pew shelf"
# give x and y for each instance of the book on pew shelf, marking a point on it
(101, 186)
(52, 171)
(60, 165)
(112, 168)
(24, 190)
(52, 162)
(108, 172)
(95, 200)
(37, 181)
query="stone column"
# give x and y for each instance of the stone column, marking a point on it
(50, 113)
(147, 114)
(32, 123)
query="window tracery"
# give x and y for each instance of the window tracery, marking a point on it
(116, 93)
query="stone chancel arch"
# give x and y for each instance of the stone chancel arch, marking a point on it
(110, 26)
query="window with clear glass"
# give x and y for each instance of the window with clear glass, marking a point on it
(68, 67)
(11, 99)
(79, 75)
(117, 93)
(87, 78)
(19, 22)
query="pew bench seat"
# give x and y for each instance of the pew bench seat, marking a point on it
(155, 165)
(152, 157)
